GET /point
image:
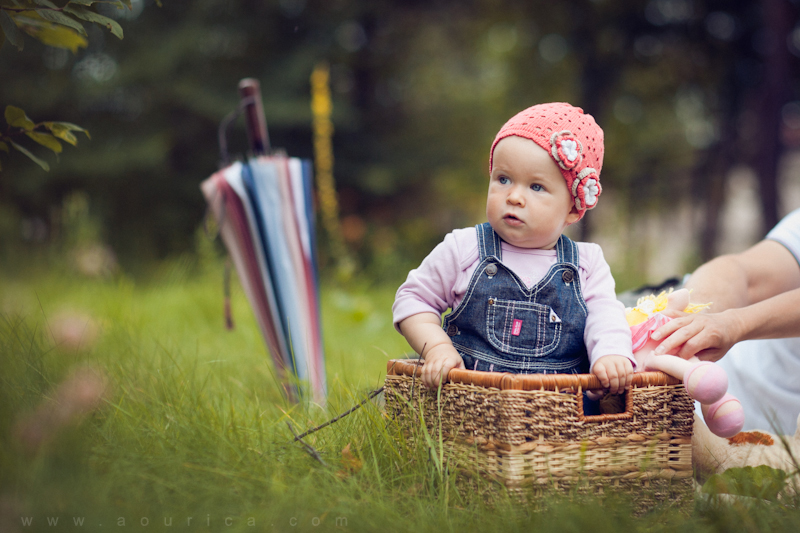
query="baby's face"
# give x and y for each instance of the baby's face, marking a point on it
(529, 204)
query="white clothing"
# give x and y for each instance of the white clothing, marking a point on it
(765, 374)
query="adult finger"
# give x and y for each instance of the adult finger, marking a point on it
(669, 328)
(711, 354)
(703, 347)
(674, 340)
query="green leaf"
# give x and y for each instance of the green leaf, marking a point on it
(90, 16)
(65, 126)
(10, 30)
(58, 17)
(32, 157)
(3, 147)
(17, 118)
(51, 34)
(761, 482)
(62, 133)
(46, 140)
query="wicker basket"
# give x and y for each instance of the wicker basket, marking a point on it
(528, 431)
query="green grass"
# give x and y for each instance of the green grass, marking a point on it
(194, 425)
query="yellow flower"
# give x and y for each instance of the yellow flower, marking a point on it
(647, 306)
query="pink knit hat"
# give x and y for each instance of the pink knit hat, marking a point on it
(572, 138)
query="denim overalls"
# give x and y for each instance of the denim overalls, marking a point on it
(502, 326)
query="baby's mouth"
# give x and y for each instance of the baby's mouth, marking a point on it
(512, 220)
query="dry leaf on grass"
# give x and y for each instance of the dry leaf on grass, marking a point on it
(350, 463)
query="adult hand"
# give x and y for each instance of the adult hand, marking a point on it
(708, 336)
(439, 361)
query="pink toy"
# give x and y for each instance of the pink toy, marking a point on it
(705, 382)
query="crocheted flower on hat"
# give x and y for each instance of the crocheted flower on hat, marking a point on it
(586, 189)
(590, 192)
(567, 150)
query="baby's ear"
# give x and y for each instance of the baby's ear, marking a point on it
(573, 216)
(678, 300)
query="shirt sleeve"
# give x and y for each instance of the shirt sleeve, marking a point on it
(607, 332)
(429, 288)
(787, 233)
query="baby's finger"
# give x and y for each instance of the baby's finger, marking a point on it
(628, 374)
(613, 381)
(601, 374)
(426, 373)
(429, 372)
(620, 381)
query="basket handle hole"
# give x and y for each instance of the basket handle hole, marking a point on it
(609, 407)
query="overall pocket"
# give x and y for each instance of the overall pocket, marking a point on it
(522, 328)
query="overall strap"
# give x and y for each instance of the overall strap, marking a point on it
(567, 251)
(488, 242)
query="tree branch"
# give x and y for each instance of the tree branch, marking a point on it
(23, 9)
(311, 451)
(336, 419)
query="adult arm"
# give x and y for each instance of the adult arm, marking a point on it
(739, 280)
(754, 295)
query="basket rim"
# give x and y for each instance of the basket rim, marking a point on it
(509, 381)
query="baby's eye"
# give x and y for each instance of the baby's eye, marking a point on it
(503, 180)
(536, 187)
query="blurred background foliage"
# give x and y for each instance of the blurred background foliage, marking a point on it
(687, 91)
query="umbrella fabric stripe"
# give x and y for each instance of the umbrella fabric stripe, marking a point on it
(267, 222)
(268, 194)
(315, 360)
(223, 203)
(303, 341)
(270, 281)
(238, 209)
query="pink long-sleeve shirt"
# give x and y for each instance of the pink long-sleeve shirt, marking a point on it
(442, 279)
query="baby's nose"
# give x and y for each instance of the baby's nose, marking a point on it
(515, 197)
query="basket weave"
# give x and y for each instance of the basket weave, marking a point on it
(526, 432)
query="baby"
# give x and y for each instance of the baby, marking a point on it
(524, 297)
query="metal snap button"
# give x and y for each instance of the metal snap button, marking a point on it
(491, 301)
(567, 276)
(491, 270)
(452, 330)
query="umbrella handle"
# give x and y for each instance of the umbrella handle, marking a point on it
(253, 109)
(250, 92)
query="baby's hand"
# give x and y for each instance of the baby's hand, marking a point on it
(615, 373)
(439, 361)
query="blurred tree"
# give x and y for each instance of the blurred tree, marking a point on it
(684, 89)
(59, 27)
